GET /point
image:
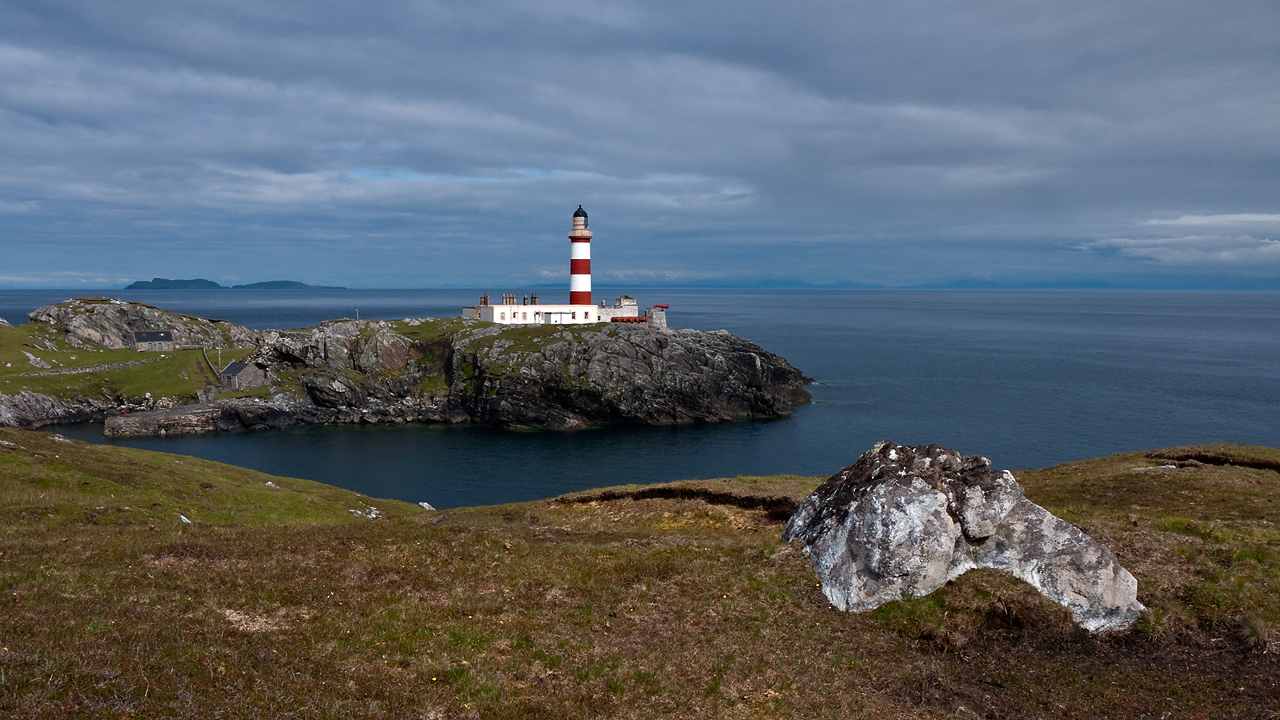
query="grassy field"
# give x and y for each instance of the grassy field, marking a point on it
(178, 374)
(294, 599)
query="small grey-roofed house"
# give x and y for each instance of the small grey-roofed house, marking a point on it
(154, 340)
(243, 376)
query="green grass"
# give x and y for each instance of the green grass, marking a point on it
(63, 482)
(258, 392)
(33, 338)
(435, 328)
(521, 338)
(180, 374)
(609, 603)
(177, 374)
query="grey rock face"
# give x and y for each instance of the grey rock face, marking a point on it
(110, 323)
(531, 378)
(903, 521)
(633, 373)
(361, 345)
(32, 410)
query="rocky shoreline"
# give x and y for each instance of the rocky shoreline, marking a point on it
(435, 371)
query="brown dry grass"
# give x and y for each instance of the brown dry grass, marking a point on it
(619, 604)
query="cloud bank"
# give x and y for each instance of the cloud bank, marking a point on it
(425, 143)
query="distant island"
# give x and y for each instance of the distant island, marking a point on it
(202, 284)
(166, 284)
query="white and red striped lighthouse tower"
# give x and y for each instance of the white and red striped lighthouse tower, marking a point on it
(580, 260)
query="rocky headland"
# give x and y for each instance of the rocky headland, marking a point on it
(417, 370)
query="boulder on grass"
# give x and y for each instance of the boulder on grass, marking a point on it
(903, 521)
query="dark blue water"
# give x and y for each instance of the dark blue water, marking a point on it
(1028, 379)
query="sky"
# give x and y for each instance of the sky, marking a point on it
(427, 144)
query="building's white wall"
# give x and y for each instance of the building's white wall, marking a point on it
(622, 307)
(535, 314)
(562, 314)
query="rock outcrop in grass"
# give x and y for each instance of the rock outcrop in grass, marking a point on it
(903, 521)
(110, 323)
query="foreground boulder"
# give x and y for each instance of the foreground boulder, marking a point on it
(903, 521)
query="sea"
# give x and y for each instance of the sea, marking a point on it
(1028, 379)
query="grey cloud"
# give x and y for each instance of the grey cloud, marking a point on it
(390, 143)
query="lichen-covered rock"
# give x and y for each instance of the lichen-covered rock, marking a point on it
(903, 521)
(32, 410)
(362, 345)
(110, 323)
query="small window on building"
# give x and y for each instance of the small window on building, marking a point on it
(151, 346)
(573, 316)
(524, 316)
(502, 316)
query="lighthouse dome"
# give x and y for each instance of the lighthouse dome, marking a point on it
(580, 213)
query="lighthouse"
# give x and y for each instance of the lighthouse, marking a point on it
(580, 260)
(515, 310)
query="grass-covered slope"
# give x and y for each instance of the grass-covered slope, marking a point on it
(674, 601)
(38, 358)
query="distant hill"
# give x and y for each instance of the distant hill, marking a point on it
(283, 285)
(166, 284)
(202, 284)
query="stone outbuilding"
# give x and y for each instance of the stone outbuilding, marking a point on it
(243, 376)
(154, 340)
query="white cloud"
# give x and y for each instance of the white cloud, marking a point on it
(1238, 250)
(1233, 219)
(62, 280)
